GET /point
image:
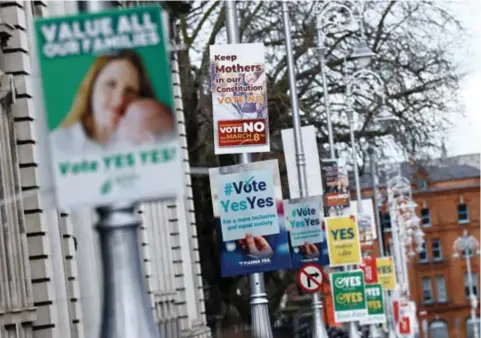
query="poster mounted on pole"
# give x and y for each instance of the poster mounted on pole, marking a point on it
(375, 305)
(366, 220)
(343, 241)
(386, 273)
(109, 106)
(249, 218)
(239, 98)
(335, 186)
(304, 222)
(348, 295)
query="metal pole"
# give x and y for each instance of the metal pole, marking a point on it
(472, 297)
(322, 56)
(353, 331)
(126, 309)
(354, 160)
(319, 326)
(380, 237)
(261, 325)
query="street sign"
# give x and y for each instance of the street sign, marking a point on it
(309, 278)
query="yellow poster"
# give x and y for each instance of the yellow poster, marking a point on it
(343, 240)
(385, 273)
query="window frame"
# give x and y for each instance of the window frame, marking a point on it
(445, 298)
(422, 184)
(467, 219)
(441, 257)
(442, 323)
(425, 251)
(430, 281)
(428, 216)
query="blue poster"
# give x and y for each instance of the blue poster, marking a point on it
(306, 231)
(247, 204)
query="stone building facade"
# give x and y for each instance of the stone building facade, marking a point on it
(50, 280)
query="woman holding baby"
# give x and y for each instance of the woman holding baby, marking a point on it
(115, 105)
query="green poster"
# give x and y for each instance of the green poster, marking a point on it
(375, 305)
(348, 296)
(109, 106)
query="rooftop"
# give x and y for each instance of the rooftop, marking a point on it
(438, 170)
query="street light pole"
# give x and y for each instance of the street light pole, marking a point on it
(361, 52)
(468, 246)
(362, 74)
(319, 326)
(261, 325)
(322, 56)
(373, 167)
(124, 294)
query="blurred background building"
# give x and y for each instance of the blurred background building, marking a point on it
(446, 191)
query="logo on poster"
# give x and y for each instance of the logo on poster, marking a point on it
(348, 282)
(308, 216)
(250, 202)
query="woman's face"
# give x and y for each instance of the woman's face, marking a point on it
(116, 86)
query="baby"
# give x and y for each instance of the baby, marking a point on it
(145, 121)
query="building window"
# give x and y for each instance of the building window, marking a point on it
(436, 250)
(385, 221)
(441, 289)
(423, 255)
(438, 329)
(470, 328)
(463, 213)
(422, 184)
(425, 218)
(475, 284)
(427, 290)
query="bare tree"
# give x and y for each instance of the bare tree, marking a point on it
(412, 40)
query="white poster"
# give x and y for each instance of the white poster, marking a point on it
(239, 98)
(311, 155)
(366, 220)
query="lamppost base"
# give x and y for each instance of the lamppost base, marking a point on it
(319, 326)
(126, 307)
(375, 332)
(353, 331)
(261, 324)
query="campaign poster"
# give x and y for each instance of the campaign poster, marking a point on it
(239, 98)
(307, 236)
(375, 305)
(109, 106)
(335, 187)
(247, 204)
(385, 273)
(369, 267)
(348, 296)
(366, 220)
(343, 240)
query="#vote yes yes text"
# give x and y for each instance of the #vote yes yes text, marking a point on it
(303, 217)
(247, 204)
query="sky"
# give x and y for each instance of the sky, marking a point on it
(464, 136)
